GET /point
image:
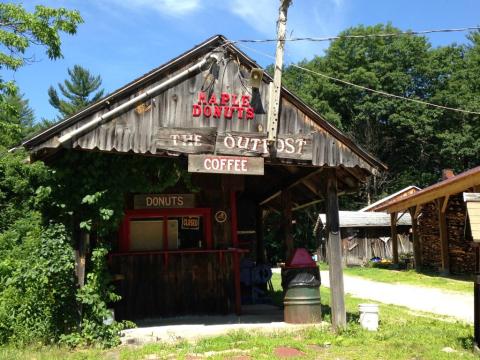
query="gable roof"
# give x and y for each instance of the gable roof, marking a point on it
(177, 63)
(391, 198)
(451, 186)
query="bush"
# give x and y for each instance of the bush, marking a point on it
(37, 282)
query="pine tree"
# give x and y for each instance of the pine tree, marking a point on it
(78, 91)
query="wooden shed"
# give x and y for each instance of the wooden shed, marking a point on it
(367, 234)
(179, 252)
(442, 240)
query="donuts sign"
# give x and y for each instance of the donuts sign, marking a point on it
(226, 106)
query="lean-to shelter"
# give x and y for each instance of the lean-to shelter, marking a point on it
(179, 251)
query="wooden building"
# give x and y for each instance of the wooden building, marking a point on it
(178, 252)
(367, 234)
(442, 240)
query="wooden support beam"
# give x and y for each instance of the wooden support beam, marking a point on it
(289, 186)
(287, 223)
(81, 257)
(442, 226)
(394, 236)
(334, 248)
(417, 249)
(259, 235)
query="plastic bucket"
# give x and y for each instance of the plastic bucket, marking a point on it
(369, 316)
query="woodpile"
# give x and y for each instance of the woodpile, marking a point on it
(462, 256)
(430, 237)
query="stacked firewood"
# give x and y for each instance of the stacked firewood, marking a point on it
(462, 255)
(430, 237)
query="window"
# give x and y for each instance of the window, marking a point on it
(145, 230)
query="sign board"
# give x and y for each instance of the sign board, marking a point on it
(163, 201)
(190, 222)
(473, 208)
(235, 165)
(207, 140)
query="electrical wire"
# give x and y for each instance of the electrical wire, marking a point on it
(379, 35)
(379, 92)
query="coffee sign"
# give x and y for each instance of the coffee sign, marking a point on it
(163, 201)
(235, 165)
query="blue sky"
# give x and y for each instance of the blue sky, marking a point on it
(123, 39)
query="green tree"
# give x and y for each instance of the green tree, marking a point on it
(79, 91)
(414, 140)
(19, 30)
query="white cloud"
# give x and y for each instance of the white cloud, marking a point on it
(169, 7)
(314, 18)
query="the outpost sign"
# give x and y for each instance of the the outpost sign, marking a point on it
(207, 140)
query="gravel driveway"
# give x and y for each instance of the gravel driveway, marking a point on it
(418, 298)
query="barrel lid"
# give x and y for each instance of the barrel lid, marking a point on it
(300, 258)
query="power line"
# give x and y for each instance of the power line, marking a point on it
(379, 92)
(379, 35)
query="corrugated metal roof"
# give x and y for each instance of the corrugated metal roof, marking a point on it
(352, 219)
(454, 185)
(386, 199)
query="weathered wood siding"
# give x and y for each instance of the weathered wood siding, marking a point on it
(155, 285)
(143, 128)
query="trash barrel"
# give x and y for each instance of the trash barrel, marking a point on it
(302, 300)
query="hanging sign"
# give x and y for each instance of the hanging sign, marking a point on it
(163, 201)
(226, 164)
(206, 140)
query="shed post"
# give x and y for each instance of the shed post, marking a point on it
(417, 249)
(286, 199)
(442, 224)
(334, 248)
(394, 236)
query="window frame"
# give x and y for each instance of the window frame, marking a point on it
(164, 214)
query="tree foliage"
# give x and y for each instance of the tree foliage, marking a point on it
(414, 140)
(20, 29)
(78, 91)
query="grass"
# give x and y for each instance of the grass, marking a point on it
(411, 277)
(402, 335)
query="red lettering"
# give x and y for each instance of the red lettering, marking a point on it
(246, 100)
(224, 99)
(207, 111)
(196, 110)
(240, 112)
(217, 112)
(227, 112)
(213, 99)
(202, 97)
(250, 113)
(234, 100)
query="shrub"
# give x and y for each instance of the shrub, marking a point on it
(37, 282)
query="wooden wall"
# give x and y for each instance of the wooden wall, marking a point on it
(180, 284)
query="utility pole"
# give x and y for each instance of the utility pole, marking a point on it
(274, 90)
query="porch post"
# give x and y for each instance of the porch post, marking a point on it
(259, 236)
(80, 257)
(287, 222)
(417, 249)
(394, 236)
(334, 248)
(442, 225)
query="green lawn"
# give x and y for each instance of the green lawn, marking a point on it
(402, 335)
(411, 277)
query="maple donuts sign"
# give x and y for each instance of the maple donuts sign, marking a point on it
(227, 106)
